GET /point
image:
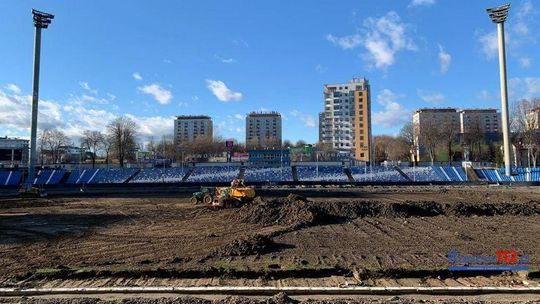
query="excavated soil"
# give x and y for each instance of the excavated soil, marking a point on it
(388, 234)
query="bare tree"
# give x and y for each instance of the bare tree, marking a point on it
(122, 132)
(448, 131)
(287, 144)
(524, 123)
(407, 134)
(474, 138)
(429, 138)
(52, 140)
(92, 141)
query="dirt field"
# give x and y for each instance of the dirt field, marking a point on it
(380, 236)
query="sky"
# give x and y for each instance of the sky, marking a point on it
(154, 60)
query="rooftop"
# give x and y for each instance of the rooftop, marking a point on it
(193, 117)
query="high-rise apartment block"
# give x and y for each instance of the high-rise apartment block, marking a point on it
(345, 123)
(480, 120)
(263, 130)
(191, 128)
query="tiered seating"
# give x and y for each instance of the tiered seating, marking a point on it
(84, 176)
(376, 174)
(455, 174)
(321, 173)
(112, 176)
(481, 174)
(422, 174)
(160, 175)
(266, 174)
(213, 174)
(49, 177)
(10, 178)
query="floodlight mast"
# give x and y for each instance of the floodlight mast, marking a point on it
(498, 15)
(41, 21)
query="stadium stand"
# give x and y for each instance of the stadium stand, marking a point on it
(422, 174)
(160, 175)
(49, 176)
(82, 176)
(112, 176)
(376, 174)
(321, 173)
(213, 174)
(10, 178)
(268, 174)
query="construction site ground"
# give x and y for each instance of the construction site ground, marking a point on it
(368, 236)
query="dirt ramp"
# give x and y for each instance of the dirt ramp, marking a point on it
(258, 244)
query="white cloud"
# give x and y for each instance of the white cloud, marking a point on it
(444, 59)
(431, 97)
(485, 95)
(521, 28)
(320, 68)
(239, 116)
(15, 112)
(347, 42)
(525, 62)
(393, 113)
(13, 88)
(526, 87)
(87, 87)
(161, 95)
(381, 37)
(222, 92)
(525, 9)
(137, 76)
(156, 126)
(490, 45)
(225, 60)
(421, 3)
(306, 119)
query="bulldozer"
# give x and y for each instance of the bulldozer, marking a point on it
(236, 195)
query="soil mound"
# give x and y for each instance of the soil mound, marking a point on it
(257, 244)
(293, 211)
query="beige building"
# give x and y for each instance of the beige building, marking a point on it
(263, 130)
(191, 128)
(346, 121)
(533, 119)
(487, 120)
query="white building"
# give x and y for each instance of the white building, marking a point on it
(533, 119)
(263, 130)
(191, 128)
(345, 123)
(13, 151)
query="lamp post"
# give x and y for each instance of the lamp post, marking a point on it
(498, 15)
(41, 21)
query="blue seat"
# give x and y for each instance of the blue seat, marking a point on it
(268, 174)
(321, 173)
(213, 174)
(160, 175)
(376, 174)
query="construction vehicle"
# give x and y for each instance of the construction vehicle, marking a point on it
(204, 196)
(222, 197)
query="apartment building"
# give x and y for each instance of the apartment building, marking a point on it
(263, 130)
(346, 121)
(484, 120)
(191, 128)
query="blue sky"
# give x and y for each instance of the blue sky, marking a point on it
(153, 60)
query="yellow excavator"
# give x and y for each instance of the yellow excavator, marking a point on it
(236, 195)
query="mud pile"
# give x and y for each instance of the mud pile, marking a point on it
(257, 244)
(296, 212)
(293, 211)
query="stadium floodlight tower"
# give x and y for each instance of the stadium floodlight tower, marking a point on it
(498, 15)
(41, 21)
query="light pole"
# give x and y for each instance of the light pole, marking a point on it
(498, 15)
(41, 21)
